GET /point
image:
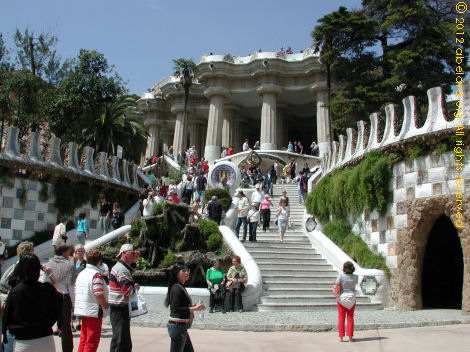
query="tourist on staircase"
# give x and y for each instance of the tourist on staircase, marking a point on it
(282, 215)
(82, 229)
(265, 212)
(253, 220)
(215, 279)
(257, 196)
(284, 199)
(345, 292)
(236, 283)
(104, 217)
(301, 186)
(268, 182)
(242, 208)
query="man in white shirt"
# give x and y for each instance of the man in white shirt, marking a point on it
(246, 146)
(60, 233)
(148, 204)
(257, 196)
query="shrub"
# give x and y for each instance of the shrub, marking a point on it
(222, 194)
(350, 190)
(208, 227)
(215, 242)
(168, 260)
(142, 264)
(340, 233)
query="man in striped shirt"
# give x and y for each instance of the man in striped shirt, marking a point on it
(121, 287)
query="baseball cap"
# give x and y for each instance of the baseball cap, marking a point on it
(124, 248)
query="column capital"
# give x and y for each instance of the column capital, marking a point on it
(266, 88)
(217, 91)
(150, 122)
(177, 107)
(318, 86)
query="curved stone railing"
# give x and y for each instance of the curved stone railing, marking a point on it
(272, 154)
(124, 175)
(254, 288)
(355, 145)
(265, 55)
(336, 257)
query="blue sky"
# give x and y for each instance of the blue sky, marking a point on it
(141, 37)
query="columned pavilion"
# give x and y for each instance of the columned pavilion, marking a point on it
(270, 97)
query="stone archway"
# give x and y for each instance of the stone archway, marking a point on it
(406, 290)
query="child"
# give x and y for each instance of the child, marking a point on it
(253, 219)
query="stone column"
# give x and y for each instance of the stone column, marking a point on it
(269, 121)
(213, 146)
(323, 122)
(194, 129)
(166, 141)
(179, 140)
(228, 125)
(153, 140)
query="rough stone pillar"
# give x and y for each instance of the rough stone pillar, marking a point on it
(228, 125)
(180, 126)
(213, 146)
(323, 122)
(268, 116)
(153, 141)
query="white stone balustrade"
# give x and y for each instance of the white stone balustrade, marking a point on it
(435, 122)
(34, 161)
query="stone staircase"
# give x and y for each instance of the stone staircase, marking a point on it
(295, 276)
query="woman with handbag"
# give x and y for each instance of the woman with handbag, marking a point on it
(181, 309)
(282, 217)
(215, 279)
(345, 292)
(237, 279)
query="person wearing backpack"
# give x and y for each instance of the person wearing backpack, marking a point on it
(118, 216)
(300, 179)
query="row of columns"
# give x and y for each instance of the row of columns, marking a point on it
(223, 129)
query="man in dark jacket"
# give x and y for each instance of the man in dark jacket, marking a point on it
(215, 210)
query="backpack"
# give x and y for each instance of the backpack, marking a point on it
(303, 184)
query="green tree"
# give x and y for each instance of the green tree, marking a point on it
(118, 124)
(79, 99)
(35, 53)
(5, 64)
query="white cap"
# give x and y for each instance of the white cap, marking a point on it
(124, 248)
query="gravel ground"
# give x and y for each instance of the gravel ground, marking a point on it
(310, 321)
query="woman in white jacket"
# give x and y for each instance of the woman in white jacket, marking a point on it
(91, 300)
(242, 208)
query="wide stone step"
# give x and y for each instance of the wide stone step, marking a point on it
(304, 291)
(304, 284)
(275, 261)
(296, 272)
(306, 299)
(275, 237)
(281, 251)
(283, 278)
(279, 307)
(294, 267)
(279, 245)
(285, 255)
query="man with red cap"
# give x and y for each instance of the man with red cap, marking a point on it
(121, 287)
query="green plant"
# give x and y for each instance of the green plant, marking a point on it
(350, 190)
(168, 260)
(142, 264)
(215, 242)
(416, 151)
(340, 233)
(208, 227)
(222, 194)
(175, 175)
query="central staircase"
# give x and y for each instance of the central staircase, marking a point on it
(295, 276)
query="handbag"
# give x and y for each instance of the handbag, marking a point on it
(337, 290)
(236, 285)
(137, 305)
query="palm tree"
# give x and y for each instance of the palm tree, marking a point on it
(185, 69)
(116, 125)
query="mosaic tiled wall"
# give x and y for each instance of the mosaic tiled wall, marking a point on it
(22, 216)
(427, 177)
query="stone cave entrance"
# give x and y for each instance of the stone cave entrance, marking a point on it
(442, 277)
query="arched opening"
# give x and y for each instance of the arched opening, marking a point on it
(442, 277)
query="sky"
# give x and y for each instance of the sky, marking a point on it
(142, 37)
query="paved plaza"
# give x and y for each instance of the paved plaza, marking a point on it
(436, 338)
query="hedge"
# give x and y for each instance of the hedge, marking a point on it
(222, 194)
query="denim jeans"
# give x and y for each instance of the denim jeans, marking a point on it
(200, 195)
(103, 225)
(301, 195)
(121, 325)
(180, 341)
(241, 220)
(253, 226)
(81, 238)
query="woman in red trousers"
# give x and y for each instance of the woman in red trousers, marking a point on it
(345, 292)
